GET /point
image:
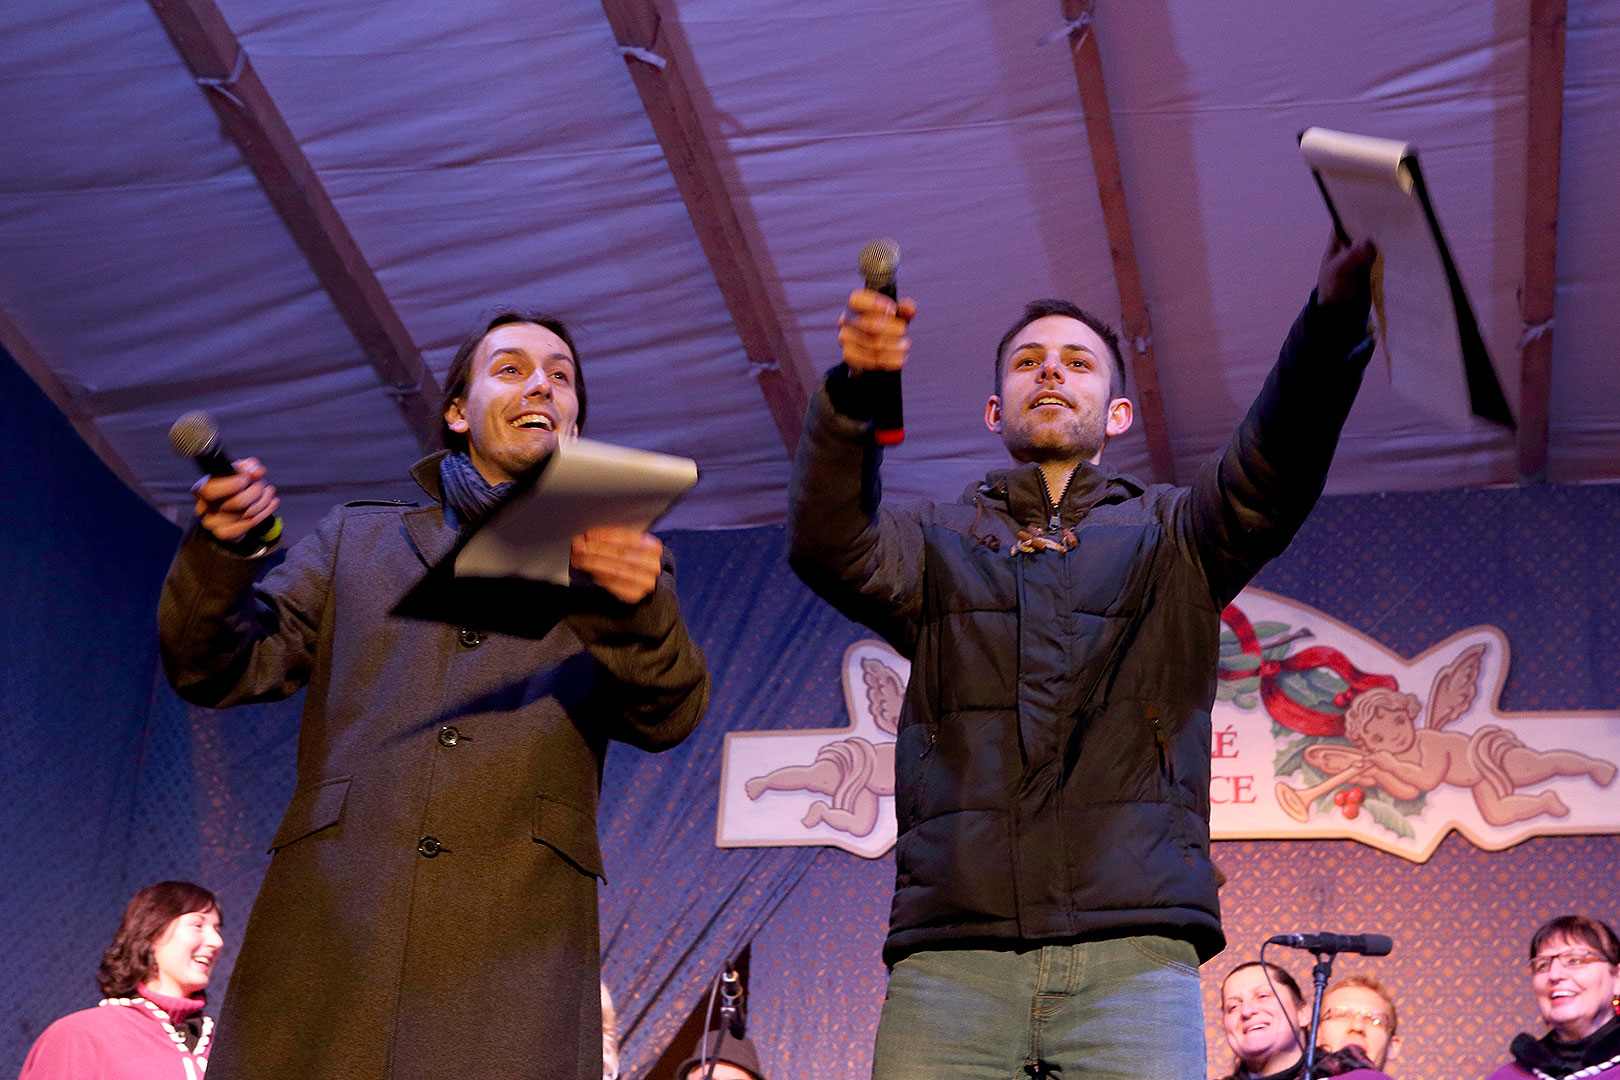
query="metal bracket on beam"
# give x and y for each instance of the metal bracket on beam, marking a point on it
(1070, 26)
(223, 86)
(1532, 331)
(646, 56)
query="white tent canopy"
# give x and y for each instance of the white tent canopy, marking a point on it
(501, 153)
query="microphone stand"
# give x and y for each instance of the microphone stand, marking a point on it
(1319, 978)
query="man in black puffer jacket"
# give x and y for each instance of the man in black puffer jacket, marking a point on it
(1053, 892)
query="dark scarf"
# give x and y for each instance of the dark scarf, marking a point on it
(469, 496)
(1332, 1063)
(1553, 1056)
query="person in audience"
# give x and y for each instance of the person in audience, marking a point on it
(149, 1023)
(1359, 1020)
(730, 1058)
(1575, 978)
(1263, 1013)
(610, 1036)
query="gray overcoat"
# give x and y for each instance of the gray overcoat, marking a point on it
(430, 907)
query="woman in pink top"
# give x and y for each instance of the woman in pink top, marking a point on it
(1575, 977)
(149, 1024)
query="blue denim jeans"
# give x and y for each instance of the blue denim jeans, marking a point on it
(1124, 1009)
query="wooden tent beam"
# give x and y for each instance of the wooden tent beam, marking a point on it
(1136, 329)
(250, 118)
(1544, 139)
(660, 63)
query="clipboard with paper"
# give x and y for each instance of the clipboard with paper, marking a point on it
(1426, 327)
(510, 574)
(583, 483)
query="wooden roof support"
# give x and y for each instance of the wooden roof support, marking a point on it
(1544, 139)
(69, 400)
(660, 62)
(1136, 330)
(250, 117)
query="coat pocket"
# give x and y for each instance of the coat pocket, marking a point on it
(311, 810)
(570, 832)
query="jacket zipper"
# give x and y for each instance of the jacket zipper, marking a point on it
(1053, 522)
(1167, 762)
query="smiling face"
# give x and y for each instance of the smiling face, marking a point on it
(1574, 1000)
(1260, 1028)
(1055, 402)
(183, 954)
(1358, 1016)
(519, 402)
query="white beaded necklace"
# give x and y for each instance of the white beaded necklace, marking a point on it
(162, 1017)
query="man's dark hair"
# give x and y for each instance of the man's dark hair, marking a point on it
(1040, 309)
(128, 961)
(1582, 928)
(455, 380)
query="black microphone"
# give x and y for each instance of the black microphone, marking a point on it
(880, 260)
(196, 436)
(731, 1003)
(1365, 944)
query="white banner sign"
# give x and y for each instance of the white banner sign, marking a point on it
(1318, 731)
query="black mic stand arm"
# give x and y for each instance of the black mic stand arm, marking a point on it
(1319, 979)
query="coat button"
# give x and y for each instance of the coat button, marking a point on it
(470, 639)
(429, 846)
(449, 736)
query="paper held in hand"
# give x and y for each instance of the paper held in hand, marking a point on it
(582, 484)
(1426, 328)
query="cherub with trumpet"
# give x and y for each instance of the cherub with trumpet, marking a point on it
(1393, 752)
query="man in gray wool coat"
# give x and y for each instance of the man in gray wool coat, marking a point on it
(430, 907)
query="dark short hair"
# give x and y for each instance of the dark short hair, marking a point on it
(455, 380)
(1278, 975)
(128, 961)
(1583, 928)
(1367, 982)
(1040, 309)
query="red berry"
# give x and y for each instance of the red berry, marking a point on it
(1351, 810)
(1355, 795)
(1340, 796)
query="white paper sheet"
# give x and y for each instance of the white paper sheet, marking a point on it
(1371, 186)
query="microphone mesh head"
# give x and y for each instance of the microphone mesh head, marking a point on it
(880, 259)
(193, 433)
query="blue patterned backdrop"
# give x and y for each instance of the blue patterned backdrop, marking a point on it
(111, 782)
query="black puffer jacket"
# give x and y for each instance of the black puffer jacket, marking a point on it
(1052, 766)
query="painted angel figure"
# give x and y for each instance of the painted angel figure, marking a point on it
(1407, 760)
(853, 772)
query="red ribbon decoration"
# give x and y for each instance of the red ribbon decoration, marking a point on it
(1284, 709)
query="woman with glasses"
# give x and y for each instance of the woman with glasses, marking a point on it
(1575, 977)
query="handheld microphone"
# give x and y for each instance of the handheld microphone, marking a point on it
(1365, 944)
(196, 436)
(731, 1003)
(880, 260)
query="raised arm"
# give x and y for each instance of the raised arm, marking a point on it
(224, 640)
(1245, 506)
(863, 560)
